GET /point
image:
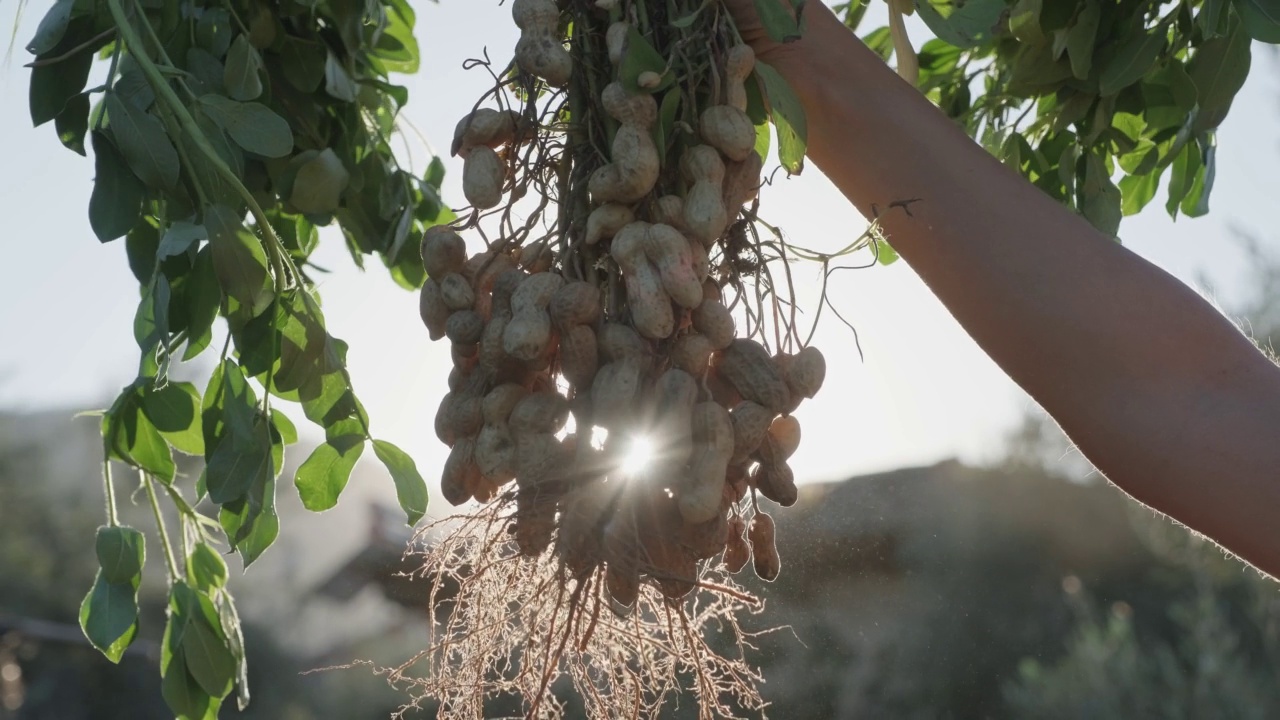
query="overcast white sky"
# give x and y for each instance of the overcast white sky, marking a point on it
(924, 392)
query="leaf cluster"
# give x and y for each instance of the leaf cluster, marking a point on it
(1076, 94)
(226, 133)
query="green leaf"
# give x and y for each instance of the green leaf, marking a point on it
(885, 254)
(253, 526)
(178, 238)
(880, 42)
(132, 87)
(284, 427)
(73, 122)
(208, 74)
(939, 58)
(337, 81)
(54, 85)
(664, 129)
(238, 259)
(218, 189)
(121, 554)
(208, 659)
(183, 694)
(853, 12)
(143, 143)
(1024, 21)
(1055, 16)
(327, 400)
(231, 630)
(181, 609)
(1035, 72)
(206, 568)
(240, 76)
(435, 172)
(1186, 166)
(116, 202)
(1219, 68)
(965, 25)
(319, 184)
(204, 297)
(1142, 160)
(1168, 97)
(109, 616)
(777, 21)
(52, 28)
(131, 437)
(175, 412)
(1101, 202)
(141, 245)
(1261, 19)
(397, 48)
(1210, 17)
(1082, 37)
(151, 453)
(151, 322)
(1132, 62)
(303, 63)
(411, 489)
(759, 115)
(1137, 191)
(788, 118)
(300, 357)
(237, 464)
(1196, 203)
(214, 31)
(230, 403)
(252, 125)
(262, 27)
(324, 475)
(641, 57)
(250, 521)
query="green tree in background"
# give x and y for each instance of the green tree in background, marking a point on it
(226, 132)
(1078, 92)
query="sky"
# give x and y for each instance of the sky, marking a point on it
(922, 391)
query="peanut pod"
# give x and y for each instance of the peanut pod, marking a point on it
(483, 175)
(540, 50)
(768, 564)
(746, 365)
(699, 498)
(443, 251)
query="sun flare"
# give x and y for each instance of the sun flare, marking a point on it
(639, 455)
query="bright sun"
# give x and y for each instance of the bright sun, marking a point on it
(638, 456)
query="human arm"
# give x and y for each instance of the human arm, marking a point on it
(1168, 399)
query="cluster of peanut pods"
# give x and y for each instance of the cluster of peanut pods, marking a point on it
(532, 348)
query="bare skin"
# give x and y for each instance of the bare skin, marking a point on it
(1157, 389)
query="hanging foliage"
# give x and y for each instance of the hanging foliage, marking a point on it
(224, 136)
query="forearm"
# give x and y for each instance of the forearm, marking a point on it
(1149, 380)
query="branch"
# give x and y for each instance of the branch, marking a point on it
(41, 62)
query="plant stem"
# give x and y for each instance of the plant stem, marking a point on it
(185, 529)
(73, 51)
(112, 519)
(164, 56)
(266, 395)
(111, 73)
(275, 249)
(170, 562)
(172, 127)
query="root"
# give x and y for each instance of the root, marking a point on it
(512, 630)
